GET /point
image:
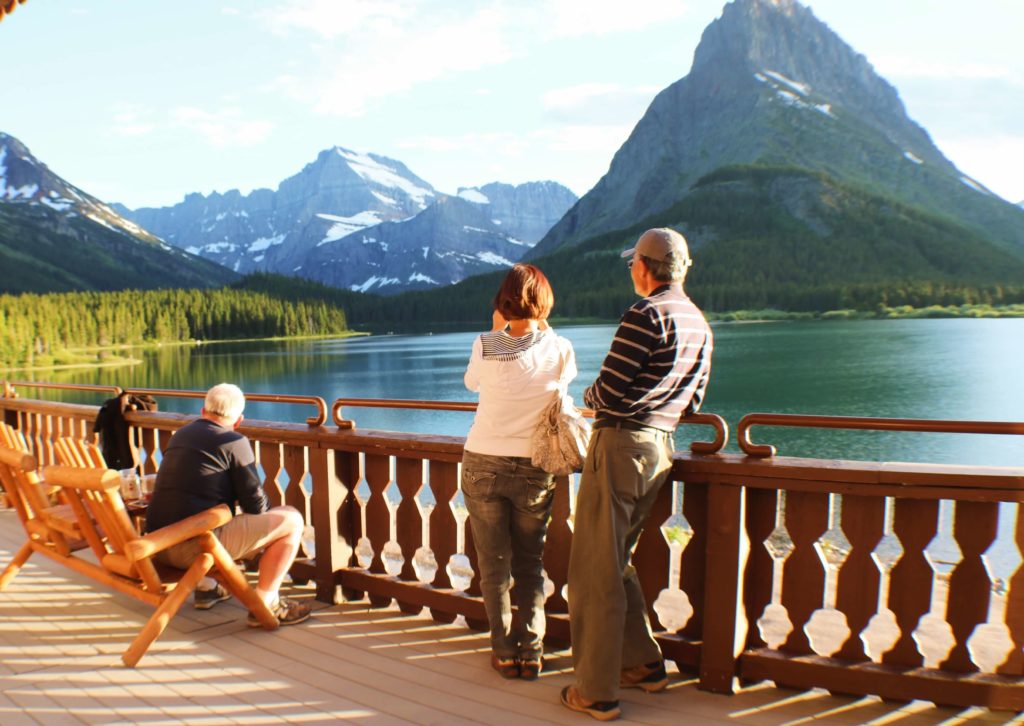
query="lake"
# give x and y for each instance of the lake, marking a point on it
(944, 368)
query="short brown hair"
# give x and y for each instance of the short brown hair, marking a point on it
(525, 294)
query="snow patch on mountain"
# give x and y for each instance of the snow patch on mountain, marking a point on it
(473, 195)
(344, 226)
(375, 281)
(263, 243)
(59, 205)
(802, 88)
(373, 171)
(975, 185)
(494, 259)
(793, 93)
(911, 157)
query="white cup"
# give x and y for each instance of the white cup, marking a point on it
(131, 489)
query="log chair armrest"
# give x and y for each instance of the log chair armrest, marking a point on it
(172, 534)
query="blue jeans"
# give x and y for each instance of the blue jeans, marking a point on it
(509, 503)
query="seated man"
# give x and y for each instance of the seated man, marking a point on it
(208, 463)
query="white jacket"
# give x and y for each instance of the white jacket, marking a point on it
(515, 385)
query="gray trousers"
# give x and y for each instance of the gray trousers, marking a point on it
(509, 503)
(623, 473)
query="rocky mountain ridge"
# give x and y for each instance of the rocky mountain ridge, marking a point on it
(58, 237)
(337, 222)
(772, 85)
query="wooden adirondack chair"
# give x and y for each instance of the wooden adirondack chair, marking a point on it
(75, 452)
(126, 559)
(48, 525)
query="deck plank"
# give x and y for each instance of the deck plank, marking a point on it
(61, 639)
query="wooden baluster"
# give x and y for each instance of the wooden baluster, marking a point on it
(692, 567)
(970, 588)
(556, 548)
(757, 580)
(1014, 615)
(269, 457)
(148, 438)
(443, 534)
(333, 549)
(863, 521)
(723, 616)
(378, 518)
(408, 522)
(803, 576)
(33, 433)
(653, 551)
(85, 429)
(915, 522)
(348, 465)
(295, 465)
(164, 439)
(45, 454)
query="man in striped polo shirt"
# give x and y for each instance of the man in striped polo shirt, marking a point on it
(656, 372)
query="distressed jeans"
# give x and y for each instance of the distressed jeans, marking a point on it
(509, 503)
(607, 613)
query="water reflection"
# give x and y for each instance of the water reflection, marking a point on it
(944, 369)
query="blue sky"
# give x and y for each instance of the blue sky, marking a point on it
(142, 102)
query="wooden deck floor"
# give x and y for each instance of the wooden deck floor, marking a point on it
(61, 638)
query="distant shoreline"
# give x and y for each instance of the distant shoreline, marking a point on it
(82, 359)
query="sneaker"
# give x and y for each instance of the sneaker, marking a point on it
(530, 668)
(287, 612)
(506, 667)
(601, 710)
(206, 599)
(650, 677)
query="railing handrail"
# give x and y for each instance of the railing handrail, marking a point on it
(863, 423)
(318, 420)
(10, 386)
(699, 419)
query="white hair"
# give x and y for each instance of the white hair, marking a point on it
(225, 400)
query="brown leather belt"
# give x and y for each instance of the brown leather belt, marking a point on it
(609, 423)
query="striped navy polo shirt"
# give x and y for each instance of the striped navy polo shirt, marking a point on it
(659, 362)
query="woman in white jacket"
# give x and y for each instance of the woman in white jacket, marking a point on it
(516, 368)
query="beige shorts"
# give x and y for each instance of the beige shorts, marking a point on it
(242, 537)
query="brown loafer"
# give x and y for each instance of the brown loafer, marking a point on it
(506, 667)
(530, 668)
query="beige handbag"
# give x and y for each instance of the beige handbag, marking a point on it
(562, 435)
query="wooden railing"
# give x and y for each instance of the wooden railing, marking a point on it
(858, 577)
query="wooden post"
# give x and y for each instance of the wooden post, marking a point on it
(333, 551)
(724, 623)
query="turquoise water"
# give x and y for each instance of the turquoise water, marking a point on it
(944, 369)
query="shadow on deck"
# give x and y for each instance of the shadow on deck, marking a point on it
(61, 639)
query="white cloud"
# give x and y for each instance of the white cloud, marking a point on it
(222, 128)
(370, 69)
(381, 48)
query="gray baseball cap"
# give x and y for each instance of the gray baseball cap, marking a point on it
(661, 244)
